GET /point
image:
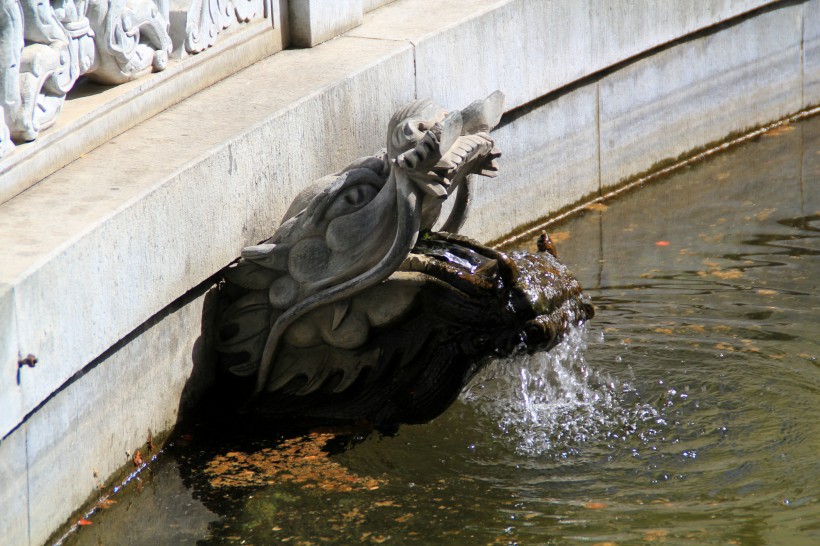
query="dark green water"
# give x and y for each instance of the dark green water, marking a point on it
(686, 412)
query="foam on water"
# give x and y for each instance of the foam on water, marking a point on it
(553, 402)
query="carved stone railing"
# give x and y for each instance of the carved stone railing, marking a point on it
(47, 45)
(207, 18)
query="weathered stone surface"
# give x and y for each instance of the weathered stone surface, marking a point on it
(519, 46)
(700, 91)
(530, 57)
(811, 53)
(11, 400)
(625, 29)
(550, 160)
(14, 488)
(93, 424)
(315, 21)
(527, 56)
(90, 272)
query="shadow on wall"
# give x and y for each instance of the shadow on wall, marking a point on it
(203, 355)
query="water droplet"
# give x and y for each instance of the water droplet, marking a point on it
(550, 402)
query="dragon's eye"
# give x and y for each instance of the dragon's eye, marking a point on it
(359, 195)
(406, 135)
(351, 199)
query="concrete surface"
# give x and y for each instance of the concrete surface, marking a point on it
(166, 359)
(530, 48)
(14, 490)
(370, 5)
(811, 54)
(549, 161)
(627, 29)
(94, 251)
(700, 91)
(11, 396)
(315, 21)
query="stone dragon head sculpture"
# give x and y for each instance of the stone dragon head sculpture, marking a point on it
(356, 310)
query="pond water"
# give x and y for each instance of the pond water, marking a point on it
(686, 412)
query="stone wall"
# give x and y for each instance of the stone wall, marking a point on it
(105, 261)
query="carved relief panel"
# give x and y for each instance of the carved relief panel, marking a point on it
(47, 45)
(207, 18)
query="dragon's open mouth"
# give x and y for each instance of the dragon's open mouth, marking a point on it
(529, 300)
(431, 326)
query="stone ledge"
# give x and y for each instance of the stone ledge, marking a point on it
(811, 54)
(734, 80)
(315, 21)
(531, 48)
(105, 416)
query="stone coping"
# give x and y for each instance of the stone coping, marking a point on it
(95, 249)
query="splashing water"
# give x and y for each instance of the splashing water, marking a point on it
(553, 402)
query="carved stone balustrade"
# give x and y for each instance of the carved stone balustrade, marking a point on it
(47, 45)
(76, 73)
